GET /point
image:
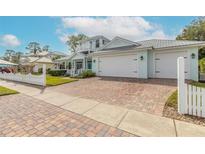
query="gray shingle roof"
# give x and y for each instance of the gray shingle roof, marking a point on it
(156, 43)
(65, 58)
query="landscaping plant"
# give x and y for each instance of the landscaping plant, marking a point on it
(87, 74)
(57, 72)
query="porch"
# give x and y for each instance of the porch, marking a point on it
(75, 66)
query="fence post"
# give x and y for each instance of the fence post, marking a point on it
(44, 74)
(181, 85)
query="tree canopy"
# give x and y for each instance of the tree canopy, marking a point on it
(12, 56)
(45, 48)
(74, 40)
(34, 47)
(194, 31)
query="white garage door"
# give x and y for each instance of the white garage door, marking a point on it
(118, 66)
(166, 64)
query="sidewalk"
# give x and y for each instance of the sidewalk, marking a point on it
(138, 123)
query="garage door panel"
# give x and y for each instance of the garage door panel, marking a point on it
(119, 66)
(166, 64)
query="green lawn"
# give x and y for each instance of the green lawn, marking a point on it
(6, 91)
(198, 84)
(172, 100)
(57, 80)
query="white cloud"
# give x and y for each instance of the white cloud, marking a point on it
(9, 40)
(63, 38)
(133, 28)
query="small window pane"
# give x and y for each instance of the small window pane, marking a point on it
(97, 43)
(89, 64)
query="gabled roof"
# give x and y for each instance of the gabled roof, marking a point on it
(94, 38)
(32, 59)
(45, 53)
(29, 60)
(119, 42)
(44, 60)
(4, 62)
(149, 45)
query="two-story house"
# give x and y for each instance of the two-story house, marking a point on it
(81, 59)
(120, 57)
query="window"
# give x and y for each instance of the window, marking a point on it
(97, 45)
(79, 65)
(90, 44)
(103, 42)
(62, 65)
(68, 65)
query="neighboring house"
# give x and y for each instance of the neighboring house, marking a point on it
(36, 61)
(143, 59)
(47, 54)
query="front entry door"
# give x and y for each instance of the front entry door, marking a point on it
(79, 65)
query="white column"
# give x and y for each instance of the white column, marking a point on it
(44, 74)
(65, 65)
(181, 85)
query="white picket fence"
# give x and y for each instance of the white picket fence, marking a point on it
(195, 100)
(26, 78)
(191, 99)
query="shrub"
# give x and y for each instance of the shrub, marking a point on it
(40, 70)
(47, 70)
(57, 72)
(87, 74)
(202, 65)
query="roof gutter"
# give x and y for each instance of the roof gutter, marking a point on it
(119, 51)
(199, 45)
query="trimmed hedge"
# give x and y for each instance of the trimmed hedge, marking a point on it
(57, 72)
(87, 74)
(40, 70)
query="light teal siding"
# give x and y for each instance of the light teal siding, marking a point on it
(193, 63)
(142, 64)
(150, 64)
(95, 64)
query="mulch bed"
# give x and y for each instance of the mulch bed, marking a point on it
(171, 112)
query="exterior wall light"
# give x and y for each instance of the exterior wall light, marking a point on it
(94, 61)
(141, 57)
(193, 55)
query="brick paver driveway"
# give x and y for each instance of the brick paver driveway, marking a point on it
(22, 115)
(142, 95)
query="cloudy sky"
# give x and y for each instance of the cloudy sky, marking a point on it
(17, 32)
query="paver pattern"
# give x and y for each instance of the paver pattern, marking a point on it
(138, 94)
(22, 115)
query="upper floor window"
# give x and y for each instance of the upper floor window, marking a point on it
(97, 45)
(90, 44)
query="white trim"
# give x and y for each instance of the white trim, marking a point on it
(170, 51)
(107, 52)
